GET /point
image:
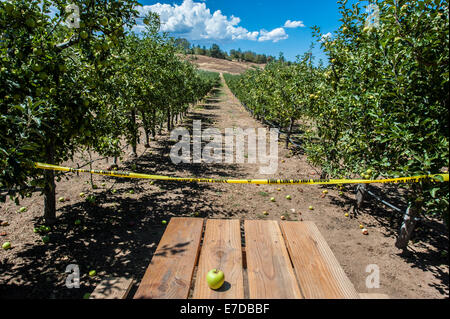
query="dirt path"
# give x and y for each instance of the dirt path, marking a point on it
(121, 231)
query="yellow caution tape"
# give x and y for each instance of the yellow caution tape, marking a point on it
(415, 179)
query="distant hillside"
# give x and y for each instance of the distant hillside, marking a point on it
(220, 65)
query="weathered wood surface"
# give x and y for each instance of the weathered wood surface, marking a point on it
(170, 272)
(222, 250)
(270, 273)
(286, 260)
(112, 288)
(318, 271)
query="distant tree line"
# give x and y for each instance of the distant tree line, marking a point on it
(215, 52)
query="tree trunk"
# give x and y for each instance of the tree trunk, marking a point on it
(146, 130)
(90, 166)
(168, 120)
(134, 141)
(50, 189)
(409, 223)
(288, 137)
(360, 195)
(154, 123)
(147, 138)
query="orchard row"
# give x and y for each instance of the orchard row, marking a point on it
(379, 109)
(66, 89)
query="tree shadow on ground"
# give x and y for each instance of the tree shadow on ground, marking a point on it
(428, 241)
(119, 231)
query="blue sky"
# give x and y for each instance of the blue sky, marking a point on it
(262, 26)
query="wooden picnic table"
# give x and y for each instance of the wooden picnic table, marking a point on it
(270, 260)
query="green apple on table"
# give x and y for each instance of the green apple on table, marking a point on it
(215, 279)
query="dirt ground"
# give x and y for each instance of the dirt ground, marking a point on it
(120, 232)
(220, 65)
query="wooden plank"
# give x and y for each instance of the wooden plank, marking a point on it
(169, 274)
(112, 288)
(373, 296)
(221, 250)
(270, 273)
(318, 271)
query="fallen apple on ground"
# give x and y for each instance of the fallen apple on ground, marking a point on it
(164, 222)
(325, 192)
(6, 245)
(288, 197)
(361, 227)
(283, 218)
(92, 273)
(61, 199)
(365, 232)
(91, 199)
(82, 195)
(311, 208)
(22, 209)
(272, 199)
(265, 213)
(215, 279)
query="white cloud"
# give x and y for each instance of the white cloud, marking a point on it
(326, 37)
(194, 21)
(294, 24)
(275, 35)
